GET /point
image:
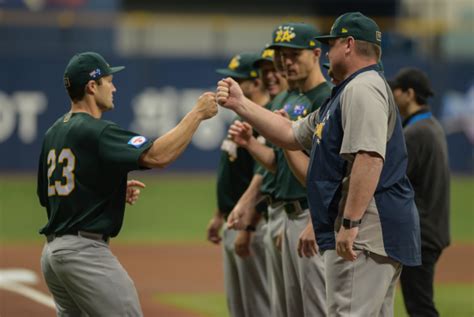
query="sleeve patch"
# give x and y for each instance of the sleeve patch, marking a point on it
(137, 141)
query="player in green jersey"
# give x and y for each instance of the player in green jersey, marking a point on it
(82, 183)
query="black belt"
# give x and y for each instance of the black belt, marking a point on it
(295, 206)
(80, 233)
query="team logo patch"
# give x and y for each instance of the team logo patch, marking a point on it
(137, 141)
(285, 33)
(234, 63)
(95, 73)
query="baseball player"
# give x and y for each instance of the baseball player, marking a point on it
(261, 188)
(304, 280)
(82, 183)
(362, 204)
(244, 255)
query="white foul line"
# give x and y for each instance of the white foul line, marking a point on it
(12, 280)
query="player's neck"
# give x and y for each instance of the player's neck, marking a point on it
(87, 106)
(314, 79)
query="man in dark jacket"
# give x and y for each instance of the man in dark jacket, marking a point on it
(428, 172)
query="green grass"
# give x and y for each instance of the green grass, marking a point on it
(451, 300)
(207, 304)
(174, 208)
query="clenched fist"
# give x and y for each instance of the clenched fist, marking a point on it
(229, 94)
(206, 105)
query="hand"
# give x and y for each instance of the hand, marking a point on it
(132, 193)
(242, 243)
(235, 219)
(206, 105)
(241, 133)
(282, 113)
(344, 242)
(214, 228)
(229, 94)
(307, 245)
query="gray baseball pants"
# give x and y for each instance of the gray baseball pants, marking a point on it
(276, 286)
(86, 279)
(365, 287)
(304, 278)
(245, 279)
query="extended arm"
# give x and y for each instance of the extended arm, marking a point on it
(298, 162)
(169, 146)
(273, 127)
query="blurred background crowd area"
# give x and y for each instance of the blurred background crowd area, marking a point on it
(172, 48)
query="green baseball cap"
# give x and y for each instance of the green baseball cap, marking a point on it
(87, 66)
(354, 24)
(266, 55)
(295, 35)
(241, 66)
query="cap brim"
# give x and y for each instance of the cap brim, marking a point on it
(326, 65)
(116, 69)
(257, 63)
(273, 46)
(231, 73)
(325, 38)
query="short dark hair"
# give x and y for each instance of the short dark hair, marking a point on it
(415, 79)
(77, 93)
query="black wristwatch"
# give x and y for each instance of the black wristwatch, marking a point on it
(348, 224)
(250, 228)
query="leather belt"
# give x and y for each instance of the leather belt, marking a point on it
(88, 235)
(295, 206)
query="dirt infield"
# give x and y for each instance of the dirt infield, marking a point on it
(175, 269)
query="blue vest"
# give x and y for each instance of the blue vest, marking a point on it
(394, 195)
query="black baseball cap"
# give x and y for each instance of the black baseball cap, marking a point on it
(354, 24)
(87, 66)
(241, 66)
(295, 35)
(412, 78)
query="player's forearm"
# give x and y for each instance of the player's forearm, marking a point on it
(169, 146)
(262, 154)
(252, 193)
(273, 127)
(298, 162)
(365, 175)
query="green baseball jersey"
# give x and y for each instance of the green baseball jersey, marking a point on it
(82, 174)
(268, 182)
(234, 173)
(297, 107)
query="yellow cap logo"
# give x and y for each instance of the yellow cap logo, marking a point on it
(312, 43)
(253, 73)
(344, 30)
(234, 63)
(268, 53)
(284, 34)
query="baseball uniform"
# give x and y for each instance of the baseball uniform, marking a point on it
(82, 179)
(245, 278)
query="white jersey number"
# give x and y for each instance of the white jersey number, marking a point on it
(68, 160)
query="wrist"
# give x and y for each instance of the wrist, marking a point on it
(349, 223)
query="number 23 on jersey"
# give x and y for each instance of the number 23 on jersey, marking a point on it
(66, 185)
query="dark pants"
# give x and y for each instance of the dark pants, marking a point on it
(417, 285)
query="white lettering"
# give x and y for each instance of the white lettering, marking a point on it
(29, 105)
(7, 117)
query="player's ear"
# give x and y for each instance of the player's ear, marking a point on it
(91, 87)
